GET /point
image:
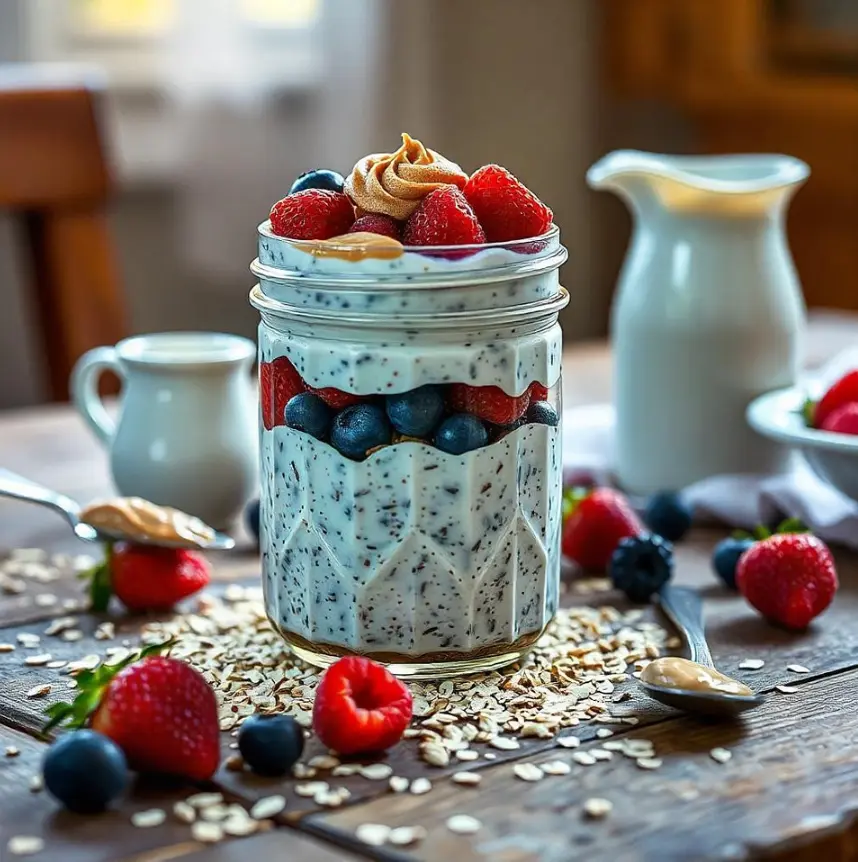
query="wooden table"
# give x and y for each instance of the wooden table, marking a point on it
(789, 791)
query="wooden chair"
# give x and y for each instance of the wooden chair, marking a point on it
(54, 176)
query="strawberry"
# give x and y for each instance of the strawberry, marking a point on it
(789, 578)
(842, 420)
(489, 403)
(538, 392)
(506, 208)
(444, 217)
(145, 577)
(278, 382)
(844, 391)
(158, 710)
(377, 223)
(595, 524)
(312, 214)
(336, 399)
(360, 707)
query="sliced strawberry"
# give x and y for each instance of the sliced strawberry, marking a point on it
(360, 707)
(594, 526)
(489, 403)
(279, 381)
(538, 392)
(336, 399)
(844, 391)
(158, 710)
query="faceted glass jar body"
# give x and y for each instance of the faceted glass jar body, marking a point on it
(432, 562)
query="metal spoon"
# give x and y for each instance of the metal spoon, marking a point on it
(685, 610)
(18, 488)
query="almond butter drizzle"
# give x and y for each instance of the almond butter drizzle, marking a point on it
(674, 672)
(354, 246)
(137, 519)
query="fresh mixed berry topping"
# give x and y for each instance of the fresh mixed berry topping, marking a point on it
(146, 577)
(726, 556)
(320, 178)
(444, 217)
(359, 429)
(336, 399)
(279, 381)
(538, 392)
(377, 223)
(85, 771)
(641, 565)
(312, 214)
(542, 413)
(270, 744)
(251, 519)
(505, 207)
(790, 578)
(158, 710)
(669, 515)
(843, 391)
(461, 433)
(308, 413)
(489, 403)
(418, 412)
(360, 707)
(842, 420)
(595, 524)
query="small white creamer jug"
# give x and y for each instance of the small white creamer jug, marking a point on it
(708, 313)
(186, 435)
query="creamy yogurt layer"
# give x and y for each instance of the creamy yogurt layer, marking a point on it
(412, 551)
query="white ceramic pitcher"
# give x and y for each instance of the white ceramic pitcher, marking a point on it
(187, 433)
(708, 313)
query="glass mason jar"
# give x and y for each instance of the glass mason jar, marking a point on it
(432, 562)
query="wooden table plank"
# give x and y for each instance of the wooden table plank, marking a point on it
(794, 770)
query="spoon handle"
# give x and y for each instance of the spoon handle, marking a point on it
(18, 488)
(685, 610)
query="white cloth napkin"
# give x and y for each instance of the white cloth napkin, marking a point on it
(742, 501)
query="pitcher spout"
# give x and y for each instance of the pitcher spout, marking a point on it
(734, 184)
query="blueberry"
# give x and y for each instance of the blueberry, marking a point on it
(251, 518)
(85, 771)
(461, 433)
(641, 566)
(270, 744)
(725, 558)
(542, 413)
(307, 412)
(668, 515)
(321, 178)
(418, 412)
(359, 428)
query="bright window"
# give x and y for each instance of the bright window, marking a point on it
(122, 17)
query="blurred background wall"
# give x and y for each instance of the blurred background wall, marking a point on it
(214, 106)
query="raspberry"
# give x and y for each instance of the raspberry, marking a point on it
(444, 217)
(378, 223)
(489, 403)
(336, 399)
(789, 578)
(843, 420)
(844, 391)
(360, 707)
(312, 214)
(506, 208)
(278, 382)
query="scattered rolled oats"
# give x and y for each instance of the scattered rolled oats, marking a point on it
(12, 751)
(404, 836)
(268, 807)
(206, 833)
(184, 812)
(468, 778)
(604, 732)
(584, 758)
(7, 648)
(149, 818)
(377, 771)
(596, 807)
(555, 767)
(39, 691)
(204, 800)
(720, 755)
(398, 784)
(527, 772)
(504, 743)
(324, 761)
(25, 845)
(374, 834)
(463, 824)
(568, 742)
(751, 664)
(798, 668)
(420, 786)
(786, 689)
(311, 788)
(238, 826)
(649, 762)
(37, 660)
(36, 784)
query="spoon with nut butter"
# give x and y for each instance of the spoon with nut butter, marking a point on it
(130, 519)
(693, 684)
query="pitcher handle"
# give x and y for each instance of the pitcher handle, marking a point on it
(84, 390)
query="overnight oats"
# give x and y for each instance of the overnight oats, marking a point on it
(410, 407)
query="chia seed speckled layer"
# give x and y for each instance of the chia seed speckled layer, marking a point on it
(412, 551)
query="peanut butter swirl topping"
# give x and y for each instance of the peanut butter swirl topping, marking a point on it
(395, 183)
(139, 520)
(674, 672)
